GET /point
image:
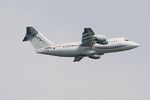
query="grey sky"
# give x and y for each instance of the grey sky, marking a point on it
(25, 75)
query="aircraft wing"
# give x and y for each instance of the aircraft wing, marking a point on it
(78, 58)
(87, 37)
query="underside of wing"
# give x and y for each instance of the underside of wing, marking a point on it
(87, 37)
(78, 58)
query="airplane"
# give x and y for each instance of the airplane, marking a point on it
(92, 46)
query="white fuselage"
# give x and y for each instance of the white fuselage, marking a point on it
(76, 49)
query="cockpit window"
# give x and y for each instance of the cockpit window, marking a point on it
(126, 39)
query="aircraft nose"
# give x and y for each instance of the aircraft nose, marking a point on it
(135, 45)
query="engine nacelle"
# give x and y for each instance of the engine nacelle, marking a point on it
(95, 56)
(101, 39)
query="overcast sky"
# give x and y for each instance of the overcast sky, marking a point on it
(25, 75)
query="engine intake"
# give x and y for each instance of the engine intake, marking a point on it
(101, 39)
(95, 56)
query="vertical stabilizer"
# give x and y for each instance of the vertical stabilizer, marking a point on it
(37, 39)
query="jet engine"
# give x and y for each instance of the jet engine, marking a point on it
(101, 39)
(94, 56)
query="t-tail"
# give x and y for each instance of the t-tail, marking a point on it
(37, 39)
